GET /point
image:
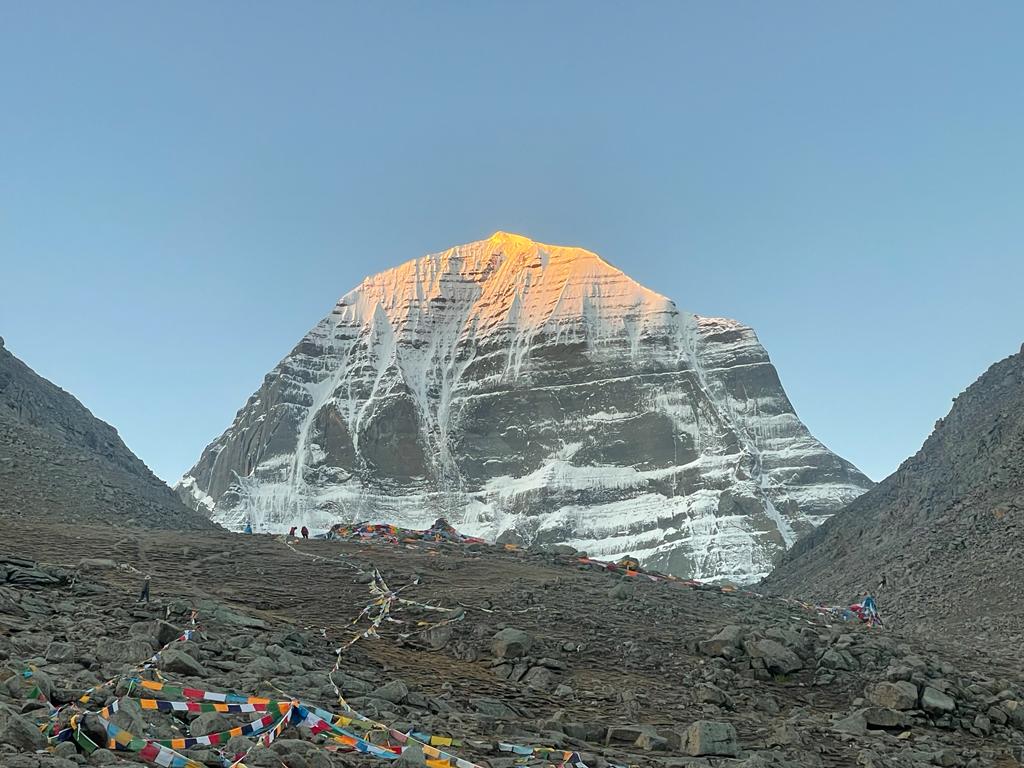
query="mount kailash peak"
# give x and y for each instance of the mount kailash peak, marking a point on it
(536, 394)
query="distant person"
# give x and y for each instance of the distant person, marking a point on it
(305, 532)
(291, 531)
(870, 609)
(248, 527)
(144, 595)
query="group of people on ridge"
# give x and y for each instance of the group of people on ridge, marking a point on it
(291, 531)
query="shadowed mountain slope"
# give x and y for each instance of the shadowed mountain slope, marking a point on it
(58, 461)
(942, 538)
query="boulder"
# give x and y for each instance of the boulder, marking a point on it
(207, 723)
(651, 742)
(166, 633)
(777, 657)
(883, 717)
(133, 650)
(1014, 712)
(899, 695)
(854, 724)
(725, 644)
(561, 549)
(493, 708)
(706, 738)
(540, 679)
(712, 694)
(60, 653)
(836, 659)
(412, 757)
(935, 702)
(22, 734)
(20, 686)
(622, 591)
(395, 692)
(511, 643)
(238, 745)
(629, 734)
(129, 717)
(174, 660)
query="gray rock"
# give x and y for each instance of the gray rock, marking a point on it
(208, 722)
(622, 591)
(561, 549)
(899, 695)
(777, 657)
(65, 749)
(21, 734)
(725, 644)
(835, 659)
(706, 738)
(237, 745)
(511, 643)
(590, 731)
(982, 725)
(651, 742)
(493, 708)
(855, 724)
(174, 660)
(712, 694)
(936, 702)
(1014, 712)
(133, 650)
(629, 734)
(411, 757)
(129, 716)
(395, 692)
(540, 679)
(103, 757)
(60, 653)
(882, 717)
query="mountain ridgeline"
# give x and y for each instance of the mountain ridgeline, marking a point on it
(534, 394)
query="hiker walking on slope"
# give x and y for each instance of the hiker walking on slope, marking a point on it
(248, 527)
(305, 532)
(291, 531)
(144, 595)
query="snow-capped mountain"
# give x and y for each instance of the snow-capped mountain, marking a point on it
(534, 393)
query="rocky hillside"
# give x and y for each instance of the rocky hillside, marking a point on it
(61, 463)
(530, 393)
(529, 650)
(941, 539)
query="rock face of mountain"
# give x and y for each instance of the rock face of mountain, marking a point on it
(944, 534)
(537, 394)
(59, 462)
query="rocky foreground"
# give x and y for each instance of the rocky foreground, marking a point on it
(529, 649)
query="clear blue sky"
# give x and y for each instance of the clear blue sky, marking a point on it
(186, 188)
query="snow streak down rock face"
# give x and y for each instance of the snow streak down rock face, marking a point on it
(532, 393)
